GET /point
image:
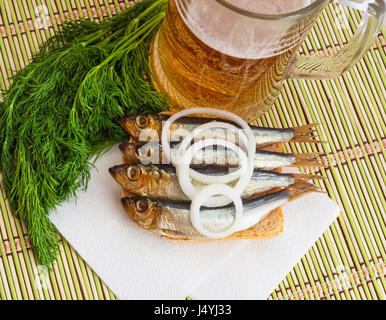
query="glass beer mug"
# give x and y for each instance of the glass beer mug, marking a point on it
(219, 54)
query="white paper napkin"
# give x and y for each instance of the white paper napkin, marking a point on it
(138, 265)
(255, 269)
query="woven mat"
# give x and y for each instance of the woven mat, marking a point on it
(347, 262)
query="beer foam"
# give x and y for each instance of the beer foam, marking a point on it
(270, 6)
(237, 35)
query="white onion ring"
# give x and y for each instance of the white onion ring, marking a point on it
(187, 186)
(207, 192)
(204, 178)
(225, 114)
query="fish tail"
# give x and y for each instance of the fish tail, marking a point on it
(306, 129)
(313, 163)
(308, 156)
(306, 134)
(306, 177)
(307, 160)
(300, 189)
(307, 139)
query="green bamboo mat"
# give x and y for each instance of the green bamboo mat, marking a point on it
(347, 262)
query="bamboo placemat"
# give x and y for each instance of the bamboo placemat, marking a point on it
(347, 262)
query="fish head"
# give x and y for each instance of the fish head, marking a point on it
(119, 174)
(134, 177)
(143, 211)
(130, 152)
(143, 127)
(149, 153)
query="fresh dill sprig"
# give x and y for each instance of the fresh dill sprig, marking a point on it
(62, 109)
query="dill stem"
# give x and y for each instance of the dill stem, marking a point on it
(96, 37)
(147, 11)
(110, 37)
(143, 30)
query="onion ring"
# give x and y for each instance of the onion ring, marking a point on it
(207, 192)
(203, 178)
(187, 186)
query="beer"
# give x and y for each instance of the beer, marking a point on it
(196, 63)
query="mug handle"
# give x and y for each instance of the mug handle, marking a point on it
(328, 67)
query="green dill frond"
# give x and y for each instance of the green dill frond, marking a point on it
(62, 110)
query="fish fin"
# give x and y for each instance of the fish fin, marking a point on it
(301, 189)
(174, 234)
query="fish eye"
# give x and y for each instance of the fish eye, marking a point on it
(133, 173)
(142, 121)
(141, 205)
